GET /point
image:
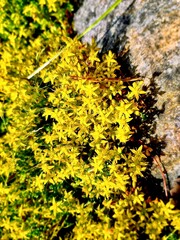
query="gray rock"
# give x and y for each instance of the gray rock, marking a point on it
(148, 32)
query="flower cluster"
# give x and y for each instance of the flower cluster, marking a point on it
(67, 170)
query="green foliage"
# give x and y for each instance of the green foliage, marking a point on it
(66, 168)
(25, 20)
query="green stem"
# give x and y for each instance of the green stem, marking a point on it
(108, 11)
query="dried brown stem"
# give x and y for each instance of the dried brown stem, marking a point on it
(159, 164)
(104, 79)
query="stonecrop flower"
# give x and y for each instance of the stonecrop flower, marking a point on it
(68, 166)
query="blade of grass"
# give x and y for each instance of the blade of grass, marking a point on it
(108, 11)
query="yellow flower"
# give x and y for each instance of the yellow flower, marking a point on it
(93, 56)
(135, 90)
(46, 168)
(98, 132)
(138, 153)
(97, 164)
(39, 183)
(55, 207)
(123, 133)
(109, 59)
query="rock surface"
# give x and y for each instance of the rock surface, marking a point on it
(148, 32)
